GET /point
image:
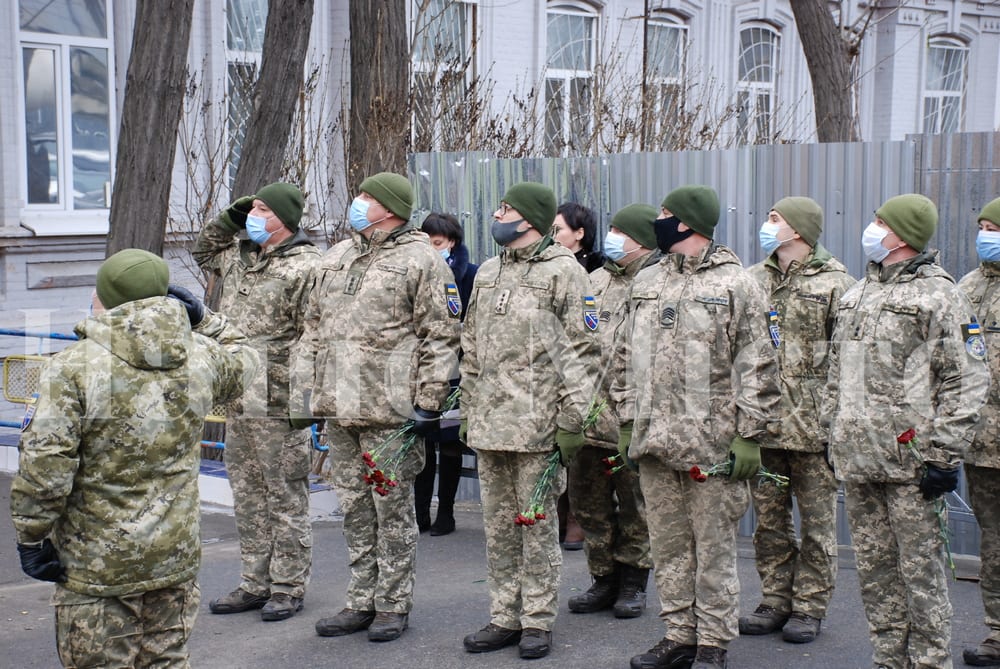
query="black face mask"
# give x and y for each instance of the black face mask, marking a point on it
(667, 233)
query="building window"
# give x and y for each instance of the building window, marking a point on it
(67, 83)
(944, 86)
(443, 68)
(245, 23)
(572, 49)
(757, 80)
(666, 43)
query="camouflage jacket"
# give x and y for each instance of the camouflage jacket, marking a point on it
(109, 461)
(904, 355)
(382, 330)
(265, 295)
(530, 353)
(611, 285)
(697, 367)
(982, 286)
(804, 304)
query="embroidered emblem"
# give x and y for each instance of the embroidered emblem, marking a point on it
(975, 345)
(453, 300)
(29, 412)
(668, 317)
(772, 327)
(590, 318)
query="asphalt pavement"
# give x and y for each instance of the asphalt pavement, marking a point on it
(451, 600)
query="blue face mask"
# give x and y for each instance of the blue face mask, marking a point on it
(445, 253)
(614, 246)
(988, 245)
(358, 216)
(768, 236)
(256, 231)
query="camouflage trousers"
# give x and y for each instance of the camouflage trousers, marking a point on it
(523, 563)
(145, 629)
(900, 558)
(797, 577)
(610, 510)
(692, 539)
(381, 532)
(984, 491)
(268, 468)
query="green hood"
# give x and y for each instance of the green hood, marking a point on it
(147, 334)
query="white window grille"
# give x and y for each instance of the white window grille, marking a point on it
(245, 23)
(944, 86)
(757, 80)
(572, 50)
(666, 44)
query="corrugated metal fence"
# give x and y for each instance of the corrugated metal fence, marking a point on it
(960, 172)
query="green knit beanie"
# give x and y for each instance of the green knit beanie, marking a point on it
(129, 275)
(537, 203)
(991, 212)
(393, 191)
(285, 200)
(636, 221)
(913, 217)
(804, 215)
(696, 206)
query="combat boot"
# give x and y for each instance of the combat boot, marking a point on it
(601, 595)
(238, 601)
(281, 606)
(535, 643)
(666, 654)
(986, 654)
(491, 638)
(348, 621)
(388, 626)
(710, 657)
(764, 620)
(631, 600)
(801, 628)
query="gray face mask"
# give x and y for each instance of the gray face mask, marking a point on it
(506, 233)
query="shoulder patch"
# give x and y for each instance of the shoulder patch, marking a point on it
(29, 413)
(975, 345)
(590, 318)
(452, 299)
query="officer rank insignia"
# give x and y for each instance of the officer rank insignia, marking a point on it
(975, 345)
(590, 318)
(453, 300)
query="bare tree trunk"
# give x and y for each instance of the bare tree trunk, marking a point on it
(282, 72)
(380, 115)
(829, 55)
(147, 138)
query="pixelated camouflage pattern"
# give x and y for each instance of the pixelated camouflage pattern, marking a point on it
(523, 562)
(982, 286)
(146, 629)
(381, 532)
(900, 360)
(265, 295)
(530, 361)
(268, 465)
(109, 465)
(692, 537)
(611, 511)
(379, 337)
(697, 367)
(796, 575)
(984, 491)
(806, 297)
(900, 558)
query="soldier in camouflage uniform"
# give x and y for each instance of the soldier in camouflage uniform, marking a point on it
(610, 509)
(530, 359)
(266, 281)
(804, 284)
(105, 502)
(982, 462)
(697, 380)
(907, 354)
(381, 342)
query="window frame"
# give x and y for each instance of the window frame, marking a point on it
(251, 61)
(939, 95)
(568, 79)
(658, 84)
(748, 128)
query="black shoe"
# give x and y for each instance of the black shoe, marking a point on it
(281, 606)
(238, 601)
(801, 628)
(491, 638)
(710, 657)
(348, 621)
(535, 643)
(986, 654)
(423, 522)
(601, 595)
(388, 626)
(631, 600)
(764, 620)
(443, 525)
(666, 654)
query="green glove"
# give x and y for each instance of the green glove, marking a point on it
(624, 441)
(744, 459)
(463, 430)
(569, 444)
(236, 213)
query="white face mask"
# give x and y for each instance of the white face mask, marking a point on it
(871, 242)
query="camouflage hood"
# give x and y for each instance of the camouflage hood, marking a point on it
(147, 334)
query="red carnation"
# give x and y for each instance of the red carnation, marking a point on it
(907, 436)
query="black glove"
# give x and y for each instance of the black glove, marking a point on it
(937, 481)
(42, 562)
(425, 422)
(237, 211)
(194, 306)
